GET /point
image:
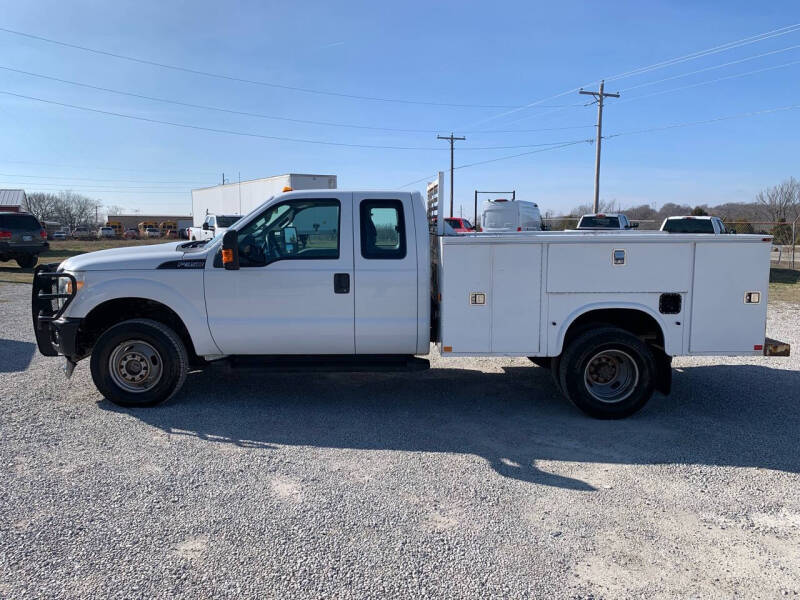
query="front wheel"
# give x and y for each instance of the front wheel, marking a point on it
(139, 363)
(608, 373)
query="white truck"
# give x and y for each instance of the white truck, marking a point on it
(212, 225)
(605, 222)
(331, 279)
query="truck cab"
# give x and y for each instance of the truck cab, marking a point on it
(694, 224)
(604, 221)
(213, 225)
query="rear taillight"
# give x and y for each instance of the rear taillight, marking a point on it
(43, 234)
(5, 235)
(519, 228)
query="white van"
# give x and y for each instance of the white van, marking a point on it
(510, 215)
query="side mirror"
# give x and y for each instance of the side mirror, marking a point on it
(230, 250)
(731, 231)
(635, 225)
(205, 226)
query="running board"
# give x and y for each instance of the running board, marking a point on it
(327, 364)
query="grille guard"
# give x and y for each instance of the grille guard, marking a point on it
(45, 280)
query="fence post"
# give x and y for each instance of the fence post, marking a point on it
(794, 237)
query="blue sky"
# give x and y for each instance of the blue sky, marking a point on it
(500, 53)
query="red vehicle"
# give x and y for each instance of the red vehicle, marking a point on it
(459, 225)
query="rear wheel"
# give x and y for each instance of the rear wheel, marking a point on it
(139, 363)
(27, 261)
(608, 373)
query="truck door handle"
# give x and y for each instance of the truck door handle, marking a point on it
(341, 283)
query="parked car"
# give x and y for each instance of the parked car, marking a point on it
(602, 221)
(514, 215)
(152, 232)
(131, 234)
(459, 225)
(106, 232)
(60, 235)
(22, 238)
(81, 233)
(691, 224)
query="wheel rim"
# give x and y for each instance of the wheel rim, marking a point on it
(611, 376)
(135, 366)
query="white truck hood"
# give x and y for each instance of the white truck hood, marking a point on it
(131, 257)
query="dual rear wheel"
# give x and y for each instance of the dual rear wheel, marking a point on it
(607, 372)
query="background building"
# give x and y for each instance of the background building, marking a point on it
(12, 200)
(242, 197)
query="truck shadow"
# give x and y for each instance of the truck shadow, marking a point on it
(741, 416)
(15, 356)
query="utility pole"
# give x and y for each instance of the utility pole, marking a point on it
(452, 139)
(599, 96)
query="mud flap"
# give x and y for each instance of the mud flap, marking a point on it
(664, 375)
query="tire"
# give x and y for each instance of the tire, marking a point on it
(608, 373)
(156, 349)
(540, 361)
(27, 261)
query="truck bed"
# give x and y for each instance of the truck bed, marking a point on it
(516, 294)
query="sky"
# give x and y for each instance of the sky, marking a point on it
(504, 74)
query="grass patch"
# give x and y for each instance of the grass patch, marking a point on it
(784, 285)
(62, 250)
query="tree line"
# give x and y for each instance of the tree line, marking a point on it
(776, 204)
(67, 208)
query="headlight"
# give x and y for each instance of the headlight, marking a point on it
(65, 285)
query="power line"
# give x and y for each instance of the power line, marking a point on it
(26, 176)
(249, 113)
(256, 135)
(499, 158)
(245, 80)
(599, 96)
(709, 81)
(706, 121)
(661, 65)
(84, 167)
(712, 68)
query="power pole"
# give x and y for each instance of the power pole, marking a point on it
(452, 139)
(599, 96)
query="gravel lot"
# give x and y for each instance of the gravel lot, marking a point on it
(472, 479)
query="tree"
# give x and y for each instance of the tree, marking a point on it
(699, 211)
(41, 205)
(781, 202)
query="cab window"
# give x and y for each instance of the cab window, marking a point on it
(383, 234)
(291, 230)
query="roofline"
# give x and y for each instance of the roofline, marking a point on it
(263, 179)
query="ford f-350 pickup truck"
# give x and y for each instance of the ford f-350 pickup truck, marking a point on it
(329, 279)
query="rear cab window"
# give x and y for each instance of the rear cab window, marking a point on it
(16, 221)
(383, 234)
(689, 226)
(600, 222)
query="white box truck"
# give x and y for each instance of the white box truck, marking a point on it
(241, 198)
(331, 279)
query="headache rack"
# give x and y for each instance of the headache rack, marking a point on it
(45, 309)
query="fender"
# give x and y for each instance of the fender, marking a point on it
(570, 319)
(181, 291)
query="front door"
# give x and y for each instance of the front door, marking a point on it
(293, 292)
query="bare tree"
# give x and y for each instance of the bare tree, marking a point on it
(42, 205)
(73, 209)
(781, 202)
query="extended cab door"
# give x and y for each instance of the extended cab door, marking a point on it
(293, 293)
(386, 284)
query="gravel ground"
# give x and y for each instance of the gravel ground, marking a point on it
(473, 479)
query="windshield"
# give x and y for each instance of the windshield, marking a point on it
(19, 222)
(600, 222)
(689, 226)
(226, 221)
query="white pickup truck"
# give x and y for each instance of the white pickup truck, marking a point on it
(328, 279)
(212, 225)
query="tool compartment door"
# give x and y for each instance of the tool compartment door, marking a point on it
(721, 319)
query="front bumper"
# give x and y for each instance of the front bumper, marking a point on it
(55, 334)
(15, 249)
